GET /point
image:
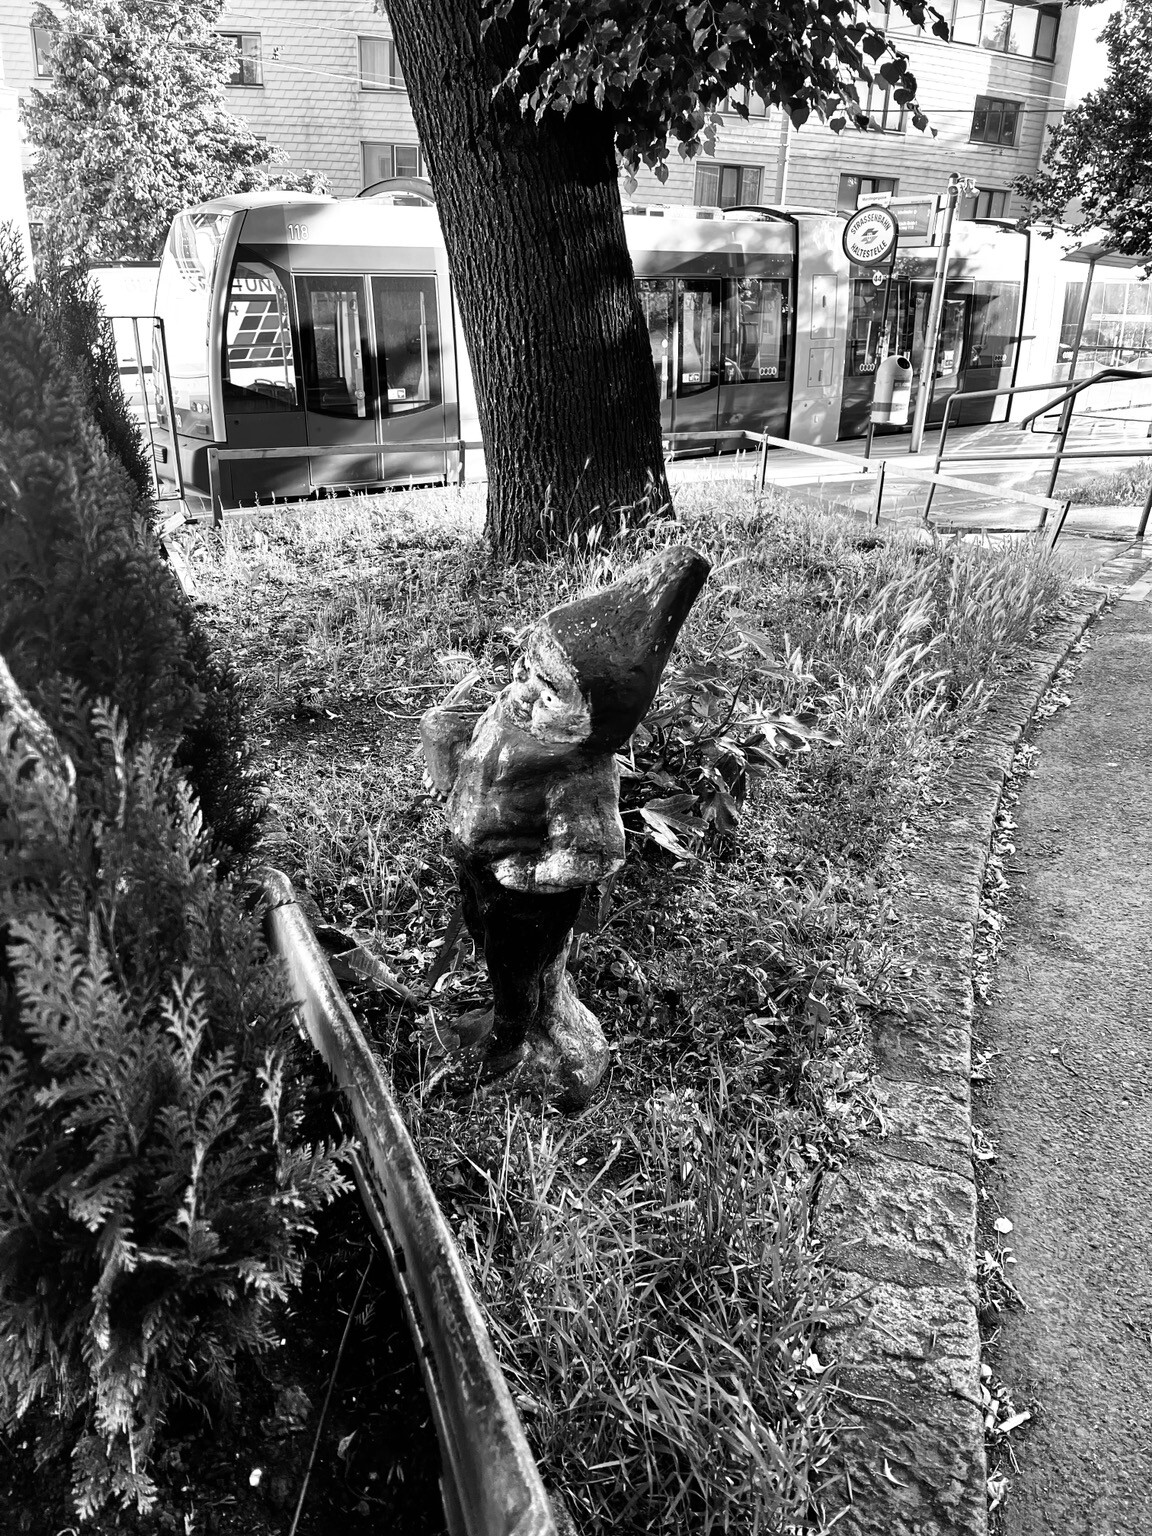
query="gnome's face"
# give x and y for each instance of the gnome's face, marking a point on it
(544, 698)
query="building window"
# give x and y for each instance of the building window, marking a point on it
(43, 46)
(994, 121)
(247, 68)
(380, 162)
(1027, 30)
(756, 105)
(727, 186)
(855, 190)
(985, 203)
(884, 114)
(379, 69)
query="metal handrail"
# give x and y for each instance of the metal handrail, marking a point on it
(491, 1485)
(1078, 386)
(1067, 398)
(157, 324)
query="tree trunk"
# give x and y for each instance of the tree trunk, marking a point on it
(531, 215)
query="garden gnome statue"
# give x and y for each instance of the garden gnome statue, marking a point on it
(533, 809)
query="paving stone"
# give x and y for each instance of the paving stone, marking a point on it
(918, 1467)
(892, 1219)
(925, 1042)
(923, 1335)
(928, 1122)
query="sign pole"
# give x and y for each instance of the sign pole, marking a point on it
(871, 237)
(935, 314)
(880, 357)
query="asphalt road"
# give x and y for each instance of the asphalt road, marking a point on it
(1073, 1130)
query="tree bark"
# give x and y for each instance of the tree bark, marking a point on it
(567, 397)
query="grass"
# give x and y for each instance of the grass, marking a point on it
(1127, 487)
(650, 1268)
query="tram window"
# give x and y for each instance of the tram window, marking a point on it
(864, 336)
(699, 340)
(995, 309)
(332, 345)
(407, 343)
(655, 295)
(753, 330)
(259, 370)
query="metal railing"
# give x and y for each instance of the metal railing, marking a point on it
(1067, 398)
(157, 324)
(490, 1483)
(879, 468)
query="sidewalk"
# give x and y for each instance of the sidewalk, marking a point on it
(1069, 1109)
(1090, 536)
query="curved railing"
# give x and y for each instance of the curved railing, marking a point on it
(490, 1483)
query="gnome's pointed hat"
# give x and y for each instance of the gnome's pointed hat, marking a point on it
(617, 640)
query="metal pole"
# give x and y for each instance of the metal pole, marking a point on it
(152, 465)
(935, 313)
(1080, 323)
(1070, 403)
(880, 355)
(878, 496)
(158, 324)
(1144, 514)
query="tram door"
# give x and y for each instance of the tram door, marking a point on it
(407, 355)
(371, 363)
(683, 319)
(339, 394)
(952, 352)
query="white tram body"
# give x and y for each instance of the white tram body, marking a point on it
(327, 325)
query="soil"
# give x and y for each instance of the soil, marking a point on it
(1069, 1109)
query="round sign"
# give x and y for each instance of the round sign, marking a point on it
(870, 236)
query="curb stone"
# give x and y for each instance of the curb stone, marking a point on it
(900, 1215)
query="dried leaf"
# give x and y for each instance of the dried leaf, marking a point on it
(358, 965)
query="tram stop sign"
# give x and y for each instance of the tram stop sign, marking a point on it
(870, 236)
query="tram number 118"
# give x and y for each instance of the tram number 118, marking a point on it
(297, 231)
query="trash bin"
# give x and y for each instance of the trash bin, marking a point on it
(892, 392)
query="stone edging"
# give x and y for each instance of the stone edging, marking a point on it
(902, 1212)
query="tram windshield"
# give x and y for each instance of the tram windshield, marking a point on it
(183, 301)
(259, 368)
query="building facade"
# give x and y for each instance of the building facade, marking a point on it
(989, 96)
(320, 79)
(13, 204)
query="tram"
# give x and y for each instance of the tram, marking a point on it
(328, 326)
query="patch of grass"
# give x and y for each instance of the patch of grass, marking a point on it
(649, 1269)
(655, 1415)
(1125, 488)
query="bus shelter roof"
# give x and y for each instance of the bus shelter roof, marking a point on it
(1099, 253)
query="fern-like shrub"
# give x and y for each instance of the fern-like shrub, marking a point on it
(86, 595)
(65, 301)
(155, 1187)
